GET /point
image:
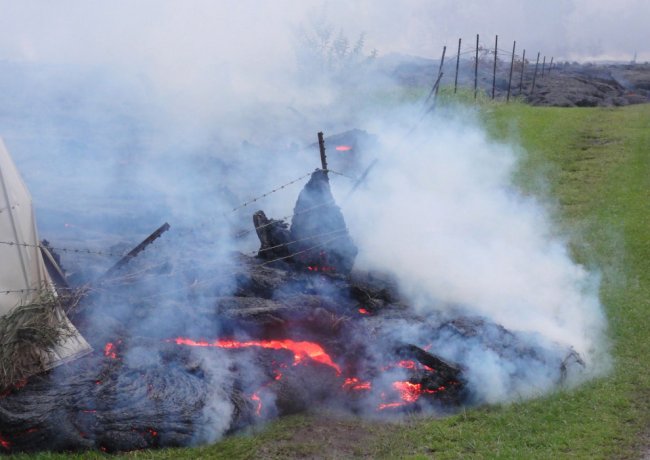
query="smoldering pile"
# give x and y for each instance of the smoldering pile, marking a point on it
(251, 338)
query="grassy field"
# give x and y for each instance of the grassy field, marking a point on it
(596, 163)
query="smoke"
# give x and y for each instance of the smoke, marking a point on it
(439, 211)
(126, 115)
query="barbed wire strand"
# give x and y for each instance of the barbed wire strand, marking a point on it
(212, 279)
(66, 250)
(307, 238)
(264, 195)
(304, 211)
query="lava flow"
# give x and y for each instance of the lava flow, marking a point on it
(4, 443)
(300, 350)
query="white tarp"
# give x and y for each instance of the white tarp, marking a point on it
(23, 276)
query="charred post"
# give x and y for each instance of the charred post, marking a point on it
(135, 251)
(323, 157)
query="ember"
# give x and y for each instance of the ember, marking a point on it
(110, 349)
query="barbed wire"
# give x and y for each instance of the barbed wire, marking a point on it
(62, 249)
(211, 279)
(302, 251)
(12, 291)
(264, 195)
(304, 211)
(307, 238)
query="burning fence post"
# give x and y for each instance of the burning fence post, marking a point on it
(457, 64)
(512, 63)
(494, 70)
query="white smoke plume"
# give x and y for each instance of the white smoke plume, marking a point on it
(439, 210)
(122, 115)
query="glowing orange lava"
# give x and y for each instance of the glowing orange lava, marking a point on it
(343, 148)
(363, 311)
(355, 384)
(110, 350)
(407, 364)
(258, 410)
(300, 350)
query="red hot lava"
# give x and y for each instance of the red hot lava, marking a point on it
(300, 350)
(4, 443)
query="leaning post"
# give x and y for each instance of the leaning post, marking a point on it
(442, 62)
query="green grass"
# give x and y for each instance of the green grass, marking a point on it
(596, 169)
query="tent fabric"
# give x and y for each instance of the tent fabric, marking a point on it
(23, 276)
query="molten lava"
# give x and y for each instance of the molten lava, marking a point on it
(258, 401)
(300, 350)
(4, 443)
(110, 349)
(363, 311)
(354, 383)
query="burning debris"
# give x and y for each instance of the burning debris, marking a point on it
(259, 337)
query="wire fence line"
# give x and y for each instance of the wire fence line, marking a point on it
(271, 222)
(62, 249)
(307, 238)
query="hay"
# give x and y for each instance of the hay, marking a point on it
(27, 336)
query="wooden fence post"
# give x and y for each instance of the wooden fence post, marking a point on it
(512, 63)
(457, 63)
(532, 89)
(323, 157)
(476, 69)
(521, 79)
(494, 70)
(442, 63)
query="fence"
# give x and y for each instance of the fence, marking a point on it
(488, 57)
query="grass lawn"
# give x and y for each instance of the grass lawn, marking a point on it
(596, 163)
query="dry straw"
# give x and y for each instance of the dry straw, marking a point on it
(28, 335)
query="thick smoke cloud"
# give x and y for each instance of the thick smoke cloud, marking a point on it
(122, 115)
